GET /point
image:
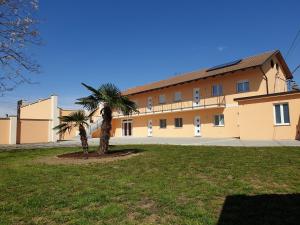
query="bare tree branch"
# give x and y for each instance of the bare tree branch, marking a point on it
(18, 31)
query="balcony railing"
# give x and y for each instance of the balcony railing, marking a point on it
(212, 102)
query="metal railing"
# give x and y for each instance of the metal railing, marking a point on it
(95, 126)
(218, 101)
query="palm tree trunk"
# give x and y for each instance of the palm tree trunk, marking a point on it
(84, 142)
(105, 129)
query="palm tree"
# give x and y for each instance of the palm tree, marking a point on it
(78, 120)
(110, 98)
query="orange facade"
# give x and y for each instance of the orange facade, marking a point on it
(176, 111)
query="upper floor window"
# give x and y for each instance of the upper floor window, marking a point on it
(162, 99)
(242, 86)
(219, 120)
(217, 90)
(177, 96)
(281, 114)
(178, 122)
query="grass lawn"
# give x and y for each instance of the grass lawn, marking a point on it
(163, 185)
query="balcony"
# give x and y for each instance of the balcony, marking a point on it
(185, 105)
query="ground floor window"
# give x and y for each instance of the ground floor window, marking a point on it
(281, 114)
(219, 120)
(162, 123)
(178, 122)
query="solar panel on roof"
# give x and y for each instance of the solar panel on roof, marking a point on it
(225, 65)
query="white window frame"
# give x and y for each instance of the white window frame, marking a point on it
(177, 96)
(242, 82)
(219, 125)
(162, 99)
(281, 114)
(219, 88)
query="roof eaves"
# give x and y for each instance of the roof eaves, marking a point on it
(267, 95)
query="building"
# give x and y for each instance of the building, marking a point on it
(34, 123)
(246, 98)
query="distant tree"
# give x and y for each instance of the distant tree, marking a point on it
(18, 31)
(75, 120)
(110, 98)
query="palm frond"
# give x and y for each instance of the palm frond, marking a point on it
(90, 88)
(63, 128)
(126, 105)
(90, 102)
(110, 95)
(75, 119)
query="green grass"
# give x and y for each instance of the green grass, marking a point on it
(162, 185)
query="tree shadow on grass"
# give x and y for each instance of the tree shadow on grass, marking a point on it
(125, 150)
(273, 209)
(94, 154)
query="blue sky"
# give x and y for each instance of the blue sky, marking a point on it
(133, 42)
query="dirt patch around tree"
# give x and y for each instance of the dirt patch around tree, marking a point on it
(93, 157)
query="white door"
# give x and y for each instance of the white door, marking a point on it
(126, 128)
(149, 104)
(150, 128)
(196, 97)
(197, 125)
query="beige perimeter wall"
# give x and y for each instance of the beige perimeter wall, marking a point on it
(34, 131)
(4, 131)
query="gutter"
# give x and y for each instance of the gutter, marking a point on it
(265, 78)
(286, 93)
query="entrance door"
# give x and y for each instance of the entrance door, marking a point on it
(149, 104)
(150, 128)
(127, 128)
(197, 125)
(196, 97)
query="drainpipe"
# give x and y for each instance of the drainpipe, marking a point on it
(18, 135)
(265, 78)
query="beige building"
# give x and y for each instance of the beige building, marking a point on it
(36, 120)
(34, 123)
(247, 98)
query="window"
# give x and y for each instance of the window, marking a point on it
(281, 114)
(217, 90)
(162, 123)
(162, 99)
(177, 96)
(242, 86)
(219, 120)
(178, 122)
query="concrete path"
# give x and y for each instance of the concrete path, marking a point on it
(156, 140)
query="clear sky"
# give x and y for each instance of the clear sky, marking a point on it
(133, 42)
